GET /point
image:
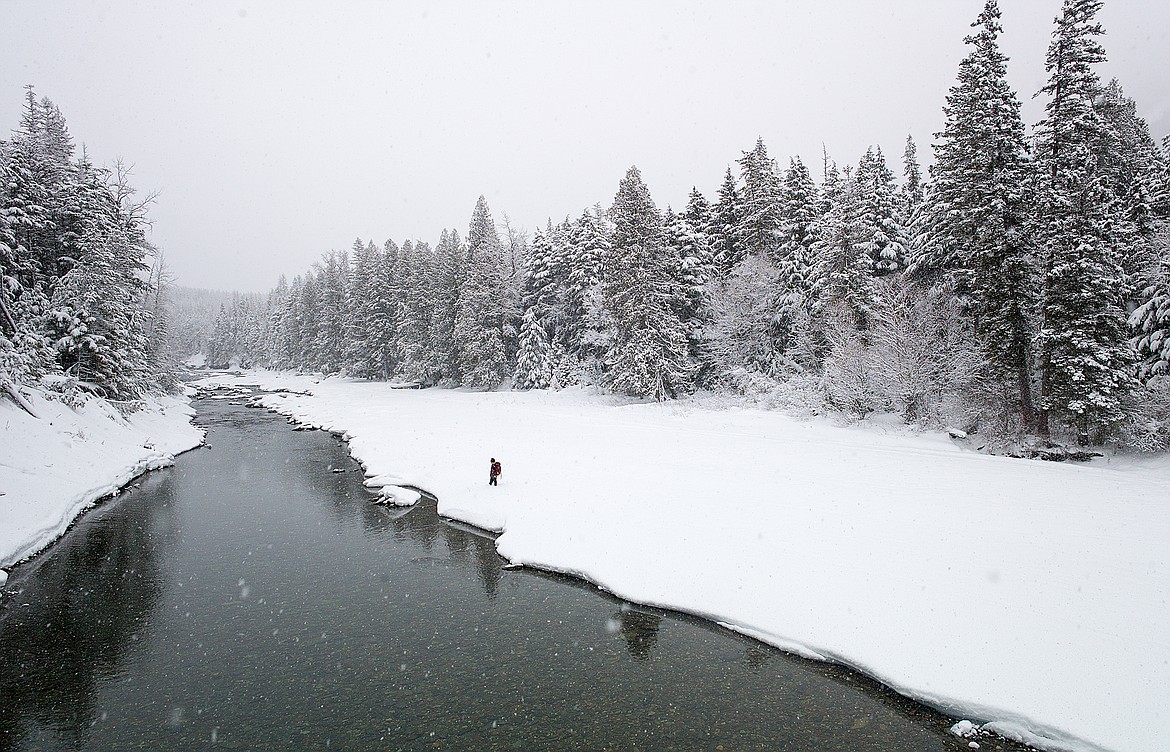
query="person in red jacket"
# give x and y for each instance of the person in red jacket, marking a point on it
(494, 473)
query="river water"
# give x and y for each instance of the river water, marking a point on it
(252, 598)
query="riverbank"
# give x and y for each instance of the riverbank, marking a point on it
(55, 466)
(1027, 595)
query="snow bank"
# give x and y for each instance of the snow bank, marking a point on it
(53, 468)
(1032, 598)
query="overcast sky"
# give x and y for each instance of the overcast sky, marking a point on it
(277, 131)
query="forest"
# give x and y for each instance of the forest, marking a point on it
(81, 288)
(1021, 288)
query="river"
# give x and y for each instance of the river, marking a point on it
(250, 597)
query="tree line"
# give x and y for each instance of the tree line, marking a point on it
(1021, 287)
(81, 287)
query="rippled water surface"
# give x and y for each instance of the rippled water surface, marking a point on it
(252, 598)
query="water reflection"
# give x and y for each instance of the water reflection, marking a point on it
(69, 619)
(639, 628)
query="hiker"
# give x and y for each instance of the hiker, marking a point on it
(494, 473)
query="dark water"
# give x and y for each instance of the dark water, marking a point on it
(250, 598)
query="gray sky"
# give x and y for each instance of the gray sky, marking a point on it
(277, 131)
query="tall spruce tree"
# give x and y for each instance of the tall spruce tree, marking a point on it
(842, 278)
(484, 308)
(1136, 170)
(911, 194)
(649, 354)
(725, 228)
(795, 256)
(1150, 322)
(1085, 359)
(761, 200)
(881, 233)
(977, 209)
(583, 248)
(534, 367)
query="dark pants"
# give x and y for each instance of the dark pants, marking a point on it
(492, 480)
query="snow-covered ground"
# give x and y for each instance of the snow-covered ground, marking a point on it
(55, 467)
(1031, 596)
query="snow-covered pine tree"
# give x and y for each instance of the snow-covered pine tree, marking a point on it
(691, 266)
(726, 220)
(761, 200)
(1085, 359)
(649, 353)
(385, 312)
(24, 351)
(882, 234)
(483, 309)
(276, 340)
(697, 261)
(434, 297)
(975, 215)
(795, 257)
(307, 320)
(1137, 172)
(329, 347)
(911, 195)
(415, 320)
(363, 257)
(1150, 321)
(539, 292)
(842, 278)
(534, 367)
(579, 345)
(371, 320)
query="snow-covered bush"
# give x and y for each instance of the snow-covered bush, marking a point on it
(919, 357)
(924, 357)
(64, 389)
(798, 394)
(743, 328)
(850, 377)
(1147, 425)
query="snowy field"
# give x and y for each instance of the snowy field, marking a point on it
(1028, 596)
(54, 468)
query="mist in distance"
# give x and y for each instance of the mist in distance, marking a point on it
(278, 131)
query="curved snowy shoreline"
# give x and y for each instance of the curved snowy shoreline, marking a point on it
(55, 467)
(1031, 595)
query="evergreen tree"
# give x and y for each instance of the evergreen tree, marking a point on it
(760, 220)
(583, 248)
(330, 345)
(1135, 169)
(795, 256)
(697, 258)
(648, 356)
(977, 210)
(539, 292)
(882, 235)
(307, 321)
(726, 220)
(384, 312)
(1085, 359)
(483, 311)
(911, 195)
(534, 368)
(441, 297)
(1150, 323)
(842, 279)
(371, 312)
